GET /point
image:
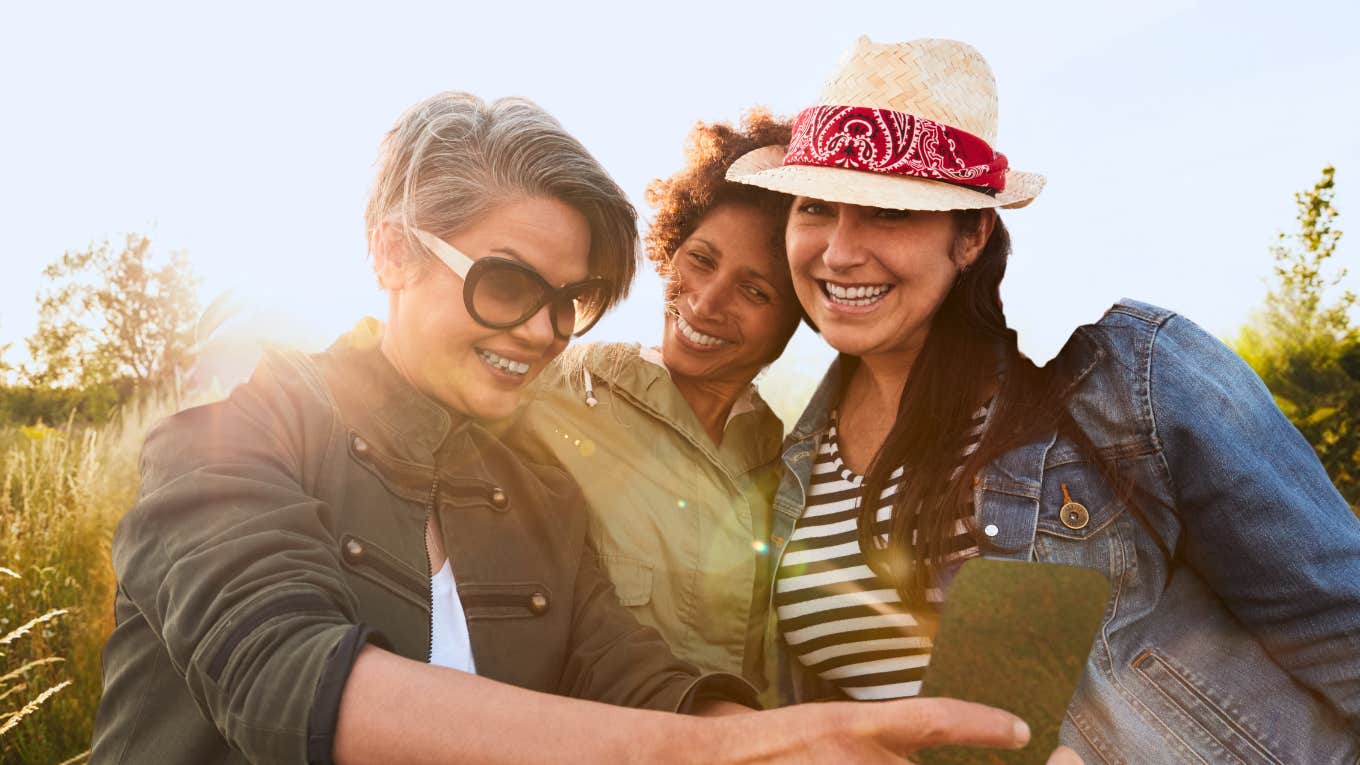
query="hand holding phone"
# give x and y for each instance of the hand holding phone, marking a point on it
(1015, 635)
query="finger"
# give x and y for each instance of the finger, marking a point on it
(1064, 756)
(912, 724)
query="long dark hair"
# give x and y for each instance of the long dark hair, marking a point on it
(957, 371)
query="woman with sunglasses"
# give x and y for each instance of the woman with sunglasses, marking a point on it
(1147, 450)
(340, 563)
(674, 449)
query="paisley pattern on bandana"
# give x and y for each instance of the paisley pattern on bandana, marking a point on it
(894, 143)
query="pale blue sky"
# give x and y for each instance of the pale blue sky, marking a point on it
(1173, 133)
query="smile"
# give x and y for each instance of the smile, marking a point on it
(855, 295)
(509, 366)
(695, 336)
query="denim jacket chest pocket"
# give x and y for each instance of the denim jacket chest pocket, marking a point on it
(1077, 501)
(1050, 502)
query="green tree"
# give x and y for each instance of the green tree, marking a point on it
(114, 317)
(1303, 343)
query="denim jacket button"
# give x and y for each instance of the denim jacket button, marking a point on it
(1074, 515)
(991, 530)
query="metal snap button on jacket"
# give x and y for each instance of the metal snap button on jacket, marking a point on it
(538, 603)
(360, 446)
(354, 551)
(1073, 514)
(499, 499)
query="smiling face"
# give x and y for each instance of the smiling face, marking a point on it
(439, 348)
(732, 309)
(871, 279)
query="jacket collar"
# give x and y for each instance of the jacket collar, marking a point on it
(817, 414)
(376, 400)
(1078, 357)
(751, 439)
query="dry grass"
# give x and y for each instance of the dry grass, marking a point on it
(62, 491)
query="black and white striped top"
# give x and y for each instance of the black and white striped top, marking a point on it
(839, 618)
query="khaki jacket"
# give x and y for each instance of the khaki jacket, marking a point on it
(679, 524)
(280, 530)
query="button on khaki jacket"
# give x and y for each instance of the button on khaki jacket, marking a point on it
(679, 523)
(279, 530)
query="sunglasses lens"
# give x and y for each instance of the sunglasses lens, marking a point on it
(576, 314)
(505, 295)
(502, 294)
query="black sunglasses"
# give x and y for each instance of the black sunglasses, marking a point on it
(501, 293)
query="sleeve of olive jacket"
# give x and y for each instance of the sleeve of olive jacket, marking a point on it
(614, 659)
(234, 566)
(1264, 524)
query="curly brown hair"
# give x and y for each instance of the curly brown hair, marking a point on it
(682, 200)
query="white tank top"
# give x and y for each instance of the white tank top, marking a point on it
(449, 642)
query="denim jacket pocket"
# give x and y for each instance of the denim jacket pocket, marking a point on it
(1078, 501)
(1223, 739)
(632, 579)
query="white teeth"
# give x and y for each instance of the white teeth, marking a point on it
(863, 295)
(695, 336)
(501, 362)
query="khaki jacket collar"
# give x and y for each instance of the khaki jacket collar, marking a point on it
(750, 440)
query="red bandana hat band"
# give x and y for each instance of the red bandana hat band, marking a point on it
(893, 143)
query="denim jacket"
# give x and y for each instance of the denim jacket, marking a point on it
(1232, 633)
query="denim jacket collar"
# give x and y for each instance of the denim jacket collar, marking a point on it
(1010, 479)
(817, 413)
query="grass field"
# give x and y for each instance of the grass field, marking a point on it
(62, 492)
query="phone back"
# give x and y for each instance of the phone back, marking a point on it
(1015, 635)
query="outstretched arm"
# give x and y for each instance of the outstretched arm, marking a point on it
(398, 710)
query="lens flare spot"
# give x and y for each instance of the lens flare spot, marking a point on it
(680, 504)
(587, 448)
(760, 547)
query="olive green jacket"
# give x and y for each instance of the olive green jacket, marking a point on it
(280, 530)
(678, 522)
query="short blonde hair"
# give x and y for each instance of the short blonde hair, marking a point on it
(453, 158)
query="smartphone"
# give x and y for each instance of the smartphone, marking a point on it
(1014, 635)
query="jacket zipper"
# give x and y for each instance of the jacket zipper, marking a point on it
(429, 575)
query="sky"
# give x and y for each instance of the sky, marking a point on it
(1173, 134)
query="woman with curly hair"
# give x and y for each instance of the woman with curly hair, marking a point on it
(675, 450)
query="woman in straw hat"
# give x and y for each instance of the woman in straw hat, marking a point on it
(676, 452)
(1146, 450)
(339, 562)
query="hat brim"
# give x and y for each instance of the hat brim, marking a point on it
(765, 168)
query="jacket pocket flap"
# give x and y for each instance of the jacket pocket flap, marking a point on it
(504, 600)
(369, 560)
(632, 579)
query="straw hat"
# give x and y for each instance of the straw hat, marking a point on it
(905, 126)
